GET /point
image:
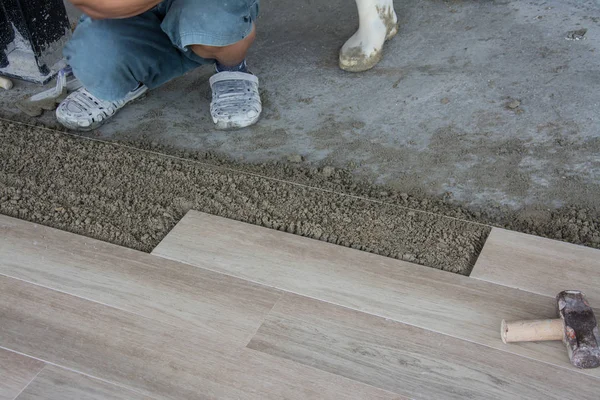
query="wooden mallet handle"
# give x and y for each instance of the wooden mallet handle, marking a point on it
(532, 331)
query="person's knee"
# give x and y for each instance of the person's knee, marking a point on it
(217, 52)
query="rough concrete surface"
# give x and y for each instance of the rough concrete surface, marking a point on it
(436, 116)
(133, 198)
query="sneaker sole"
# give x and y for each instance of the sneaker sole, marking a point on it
(231, 125)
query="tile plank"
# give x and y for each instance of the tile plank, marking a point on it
(442, 302)
(407, 360)
(539, 265)
(16, 371)
(151, 357)
(174, 293)
(55, 383)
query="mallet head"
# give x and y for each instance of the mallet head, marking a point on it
(581, 330)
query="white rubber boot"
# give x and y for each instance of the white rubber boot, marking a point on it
(235, 100)
(82, 111)
(377, 23)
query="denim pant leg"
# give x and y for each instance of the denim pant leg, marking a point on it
(111, 57)
(208, 22)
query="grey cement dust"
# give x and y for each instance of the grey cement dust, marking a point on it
(133, 198)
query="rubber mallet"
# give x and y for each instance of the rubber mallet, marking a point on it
(576, 327)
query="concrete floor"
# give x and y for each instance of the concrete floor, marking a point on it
(434, 117)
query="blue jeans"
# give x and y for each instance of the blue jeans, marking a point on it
(112, 57)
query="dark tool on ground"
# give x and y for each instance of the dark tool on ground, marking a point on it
(32, 33)
(576, 327)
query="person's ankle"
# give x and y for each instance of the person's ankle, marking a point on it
(241, 67)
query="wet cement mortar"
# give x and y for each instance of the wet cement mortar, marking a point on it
(133, 196)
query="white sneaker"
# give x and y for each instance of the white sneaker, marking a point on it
(82, 111)
(235, 99)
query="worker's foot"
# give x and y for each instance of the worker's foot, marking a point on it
(235, 98)
(82, 111)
